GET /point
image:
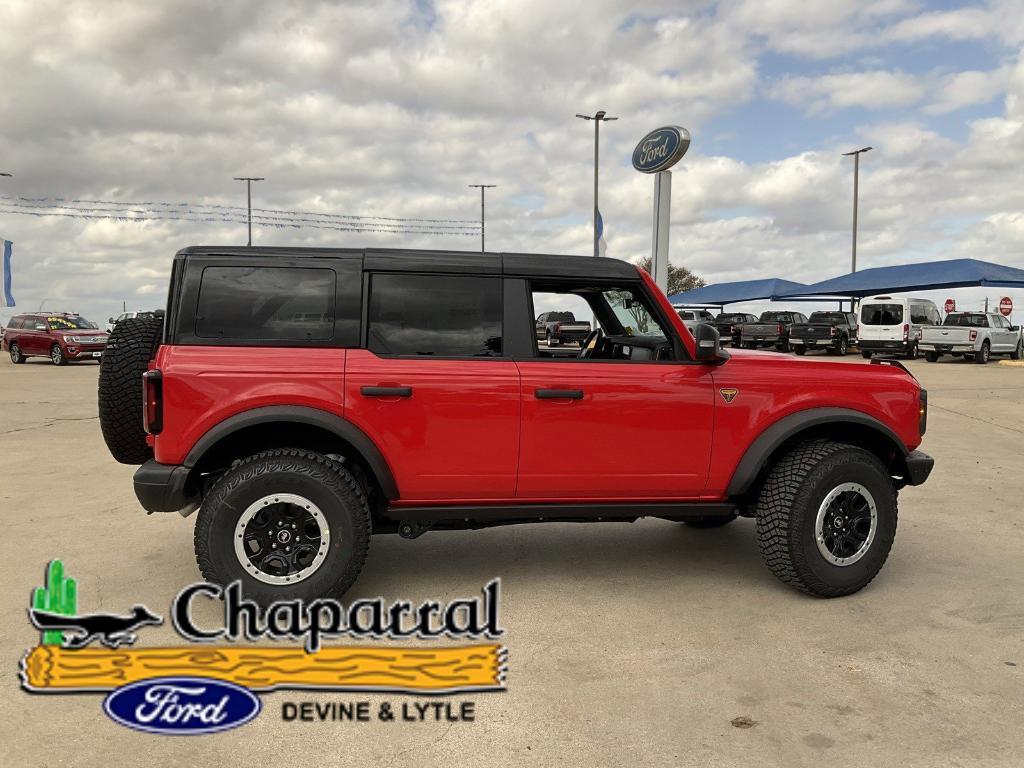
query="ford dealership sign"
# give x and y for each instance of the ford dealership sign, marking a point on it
(660, 149)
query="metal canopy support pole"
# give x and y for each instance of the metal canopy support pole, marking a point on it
(659, 240)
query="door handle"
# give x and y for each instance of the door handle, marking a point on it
(558, 394)
(386, 391)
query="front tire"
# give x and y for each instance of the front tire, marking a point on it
(800, 349)
(16, 357)
(826, 518)
(57, 355)
(931, 357)
(327, 541)
(1018, 353)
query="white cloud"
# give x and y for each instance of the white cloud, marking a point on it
(385, 109)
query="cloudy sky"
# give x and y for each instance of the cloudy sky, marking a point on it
(390, 108)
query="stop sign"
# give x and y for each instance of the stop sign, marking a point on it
(1005, 306)
(950, 306)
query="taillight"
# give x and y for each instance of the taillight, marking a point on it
(974, 335)
(780, 329)
(906, 331)
(732, 329)
(832, 331)
(558, 327)
(152, 402)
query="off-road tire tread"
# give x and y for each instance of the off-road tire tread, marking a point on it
(317, 467)
(130, 347)
(774, 515)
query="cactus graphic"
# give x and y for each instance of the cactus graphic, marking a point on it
(60, 595)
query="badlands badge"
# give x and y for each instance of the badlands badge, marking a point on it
(728, 393)
(203, 687)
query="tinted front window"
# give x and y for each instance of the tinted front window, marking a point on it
(881, 314)
(432, 315)
(266, 303)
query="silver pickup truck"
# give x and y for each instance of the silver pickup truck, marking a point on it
(973, 335)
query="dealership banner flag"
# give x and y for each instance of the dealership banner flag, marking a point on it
(602, 246)
(7, 299)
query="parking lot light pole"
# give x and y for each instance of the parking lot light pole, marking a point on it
(483, 188)
(248, 198)
(856, 184)
(597, 117)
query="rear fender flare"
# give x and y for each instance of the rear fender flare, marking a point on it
(296, 414)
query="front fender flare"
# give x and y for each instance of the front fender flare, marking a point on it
(765, 444)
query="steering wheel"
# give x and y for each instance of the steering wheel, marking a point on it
(591, 343)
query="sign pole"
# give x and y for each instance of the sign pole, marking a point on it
(660, 232)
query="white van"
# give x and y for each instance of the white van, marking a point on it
(889, 324)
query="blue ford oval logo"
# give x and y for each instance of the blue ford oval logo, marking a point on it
(661, 149)
(182, 705)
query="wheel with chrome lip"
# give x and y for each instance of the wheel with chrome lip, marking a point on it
(15, 352)
(982, 356)
(57, 355)
(287, 523)
(826, 518)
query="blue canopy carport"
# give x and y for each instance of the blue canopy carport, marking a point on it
(928, 275)
(720, 294)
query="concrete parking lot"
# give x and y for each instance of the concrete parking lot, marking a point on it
(628, 644)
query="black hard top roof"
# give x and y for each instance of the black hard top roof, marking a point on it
(402, 260)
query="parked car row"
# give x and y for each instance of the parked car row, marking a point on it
(885, 325)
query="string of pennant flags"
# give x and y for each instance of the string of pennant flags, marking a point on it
(210, 213)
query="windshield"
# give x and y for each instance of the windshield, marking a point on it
(632, 314)
(962, 318)
(881, 314)
(69, 322)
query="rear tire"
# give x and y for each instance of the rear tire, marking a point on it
(844, 346)
(300, 474)
(1018, 353)
(816, 487)
(912, 351)
(800, 349)
(865, 354)
(931, 357)
(16, 357)
(983, 356)
(129, 349)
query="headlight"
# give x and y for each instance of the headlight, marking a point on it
(69, 339)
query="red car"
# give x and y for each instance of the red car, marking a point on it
(60, 336)
(304, 399)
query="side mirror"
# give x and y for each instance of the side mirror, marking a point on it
(709, 344)
(1015, 328)
(110, 319)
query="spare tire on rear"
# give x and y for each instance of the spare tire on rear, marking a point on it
(131, 346)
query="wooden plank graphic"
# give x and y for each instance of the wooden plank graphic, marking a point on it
(428, 670)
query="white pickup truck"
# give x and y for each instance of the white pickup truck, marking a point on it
(973, 335)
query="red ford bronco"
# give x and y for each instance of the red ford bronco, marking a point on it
(303, 399)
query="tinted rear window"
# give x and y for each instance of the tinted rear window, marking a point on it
(782, 317)
(433, 315)
(266, 303)
(881, 314)
(966, 319)
(827, 317)
(726, 318)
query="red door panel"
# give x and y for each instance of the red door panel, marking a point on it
(639, 431)
(454, 438)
